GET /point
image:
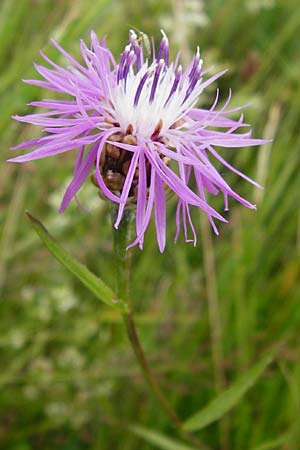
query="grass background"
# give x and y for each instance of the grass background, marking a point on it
(68, 378)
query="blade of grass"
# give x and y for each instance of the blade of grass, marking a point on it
(222, 403)
(159, 440)
(274, 443)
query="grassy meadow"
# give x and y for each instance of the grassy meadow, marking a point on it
(205, 315)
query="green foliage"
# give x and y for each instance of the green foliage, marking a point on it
(205, 315)
(158, 439)
(91, 281)
(227, 399)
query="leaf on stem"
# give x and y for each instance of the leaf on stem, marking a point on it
(90, 280)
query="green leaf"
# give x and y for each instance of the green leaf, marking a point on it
(274, 443)
(226, 400)
(91, 281)
(159, 440)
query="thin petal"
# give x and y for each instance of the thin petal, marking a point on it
(160, 213)
(148, 211)
(79, 177)
(126, 188)
(141, 197)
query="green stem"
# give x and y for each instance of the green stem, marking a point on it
(121, 237)
(148, 375)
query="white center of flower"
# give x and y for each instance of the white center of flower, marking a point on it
(155, 93)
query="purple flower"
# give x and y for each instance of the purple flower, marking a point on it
(136, 126)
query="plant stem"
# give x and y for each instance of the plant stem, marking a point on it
(122, 268)
(121, 238)
(149, 377)
(214, 321)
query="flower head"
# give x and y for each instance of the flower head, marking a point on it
(135, 125)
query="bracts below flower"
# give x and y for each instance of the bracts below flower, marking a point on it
(135, 125)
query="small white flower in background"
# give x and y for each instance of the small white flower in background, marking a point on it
(64, 298)
(17, 339)
(192, 13)
(258, 5)
(57, 410)
(71, 357)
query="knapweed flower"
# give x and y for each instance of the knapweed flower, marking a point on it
(135, 125)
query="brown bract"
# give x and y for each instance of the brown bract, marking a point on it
(115, 163)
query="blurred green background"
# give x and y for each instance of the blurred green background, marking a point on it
(68, 378)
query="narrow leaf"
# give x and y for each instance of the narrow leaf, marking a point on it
(91, 281)
(159, 440)
(226, 400)
(274, 443)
